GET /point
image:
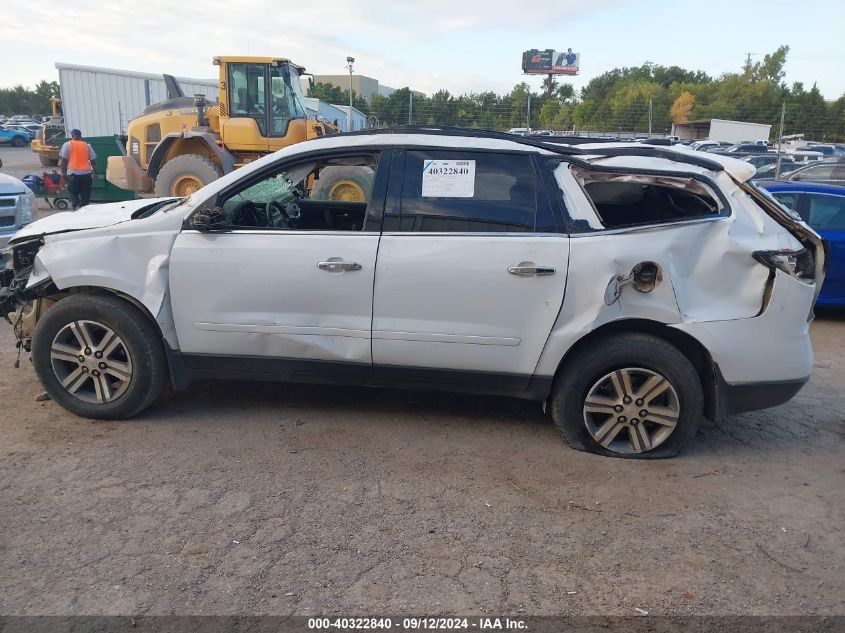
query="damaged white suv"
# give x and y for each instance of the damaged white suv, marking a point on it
(632, 289)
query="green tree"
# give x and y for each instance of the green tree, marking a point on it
(328, 93)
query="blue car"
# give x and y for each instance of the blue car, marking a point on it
(823, 208)
(13, 137)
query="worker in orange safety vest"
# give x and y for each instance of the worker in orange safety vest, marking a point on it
(78, 162)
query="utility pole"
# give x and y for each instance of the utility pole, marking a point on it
(528, 117)
(780, 139)
(349, 61)
(650, 103)
(410, 106)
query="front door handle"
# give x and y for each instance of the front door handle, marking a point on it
(529, 269)
(336, 265)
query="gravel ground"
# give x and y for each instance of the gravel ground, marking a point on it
(240, 498)
(20, 161)
(246, 498)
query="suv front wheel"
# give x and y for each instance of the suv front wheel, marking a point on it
(99, 357)
(629, 395)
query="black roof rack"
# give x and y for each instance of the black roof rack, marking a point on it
(541, 142)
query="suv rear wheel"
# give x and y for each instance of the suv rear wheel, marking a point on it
(629, 395)
(99, 357)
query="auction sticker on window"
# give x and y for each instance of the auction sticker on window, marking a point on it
(448, 179)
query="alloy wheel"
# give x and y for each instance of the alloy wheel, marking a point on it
(91, 362)
(631, 410)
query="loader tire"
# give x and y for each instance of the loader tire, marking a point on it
(183, 175)
(344, 184)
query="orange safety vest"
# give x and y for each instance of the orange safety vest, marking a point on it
(78, 156)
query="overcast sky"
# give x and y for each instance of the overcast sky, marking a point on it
(459, 45)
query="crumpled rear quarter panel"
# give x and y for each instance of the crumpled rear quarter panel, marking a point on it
(709, 273)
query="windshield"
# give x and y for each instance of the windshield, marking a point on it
(286, 99)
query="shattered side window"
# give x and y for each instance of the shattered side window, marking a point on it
(629, 200)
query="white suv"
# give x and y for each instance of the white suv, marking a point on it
(632, 289)
(17, 206)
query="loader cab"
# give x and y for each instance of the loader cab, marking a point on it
(262, 106)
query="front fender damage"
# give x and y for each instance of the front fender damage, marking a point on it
(41, 271)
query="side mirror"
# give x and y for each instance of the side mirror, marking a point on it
(209, 220)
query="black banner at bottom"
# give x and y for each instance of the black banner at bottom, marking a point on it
(384, 623)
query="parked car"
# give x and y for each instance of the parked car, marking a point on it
(830, 172)
(703, 145)
(29, 134)
(828, 151)
(806, 156)
(17, 206)
(746, 148)
(583, 277)
(769, 170)
(717, 148)
(762, 159)
(823, 208)
(16, 138)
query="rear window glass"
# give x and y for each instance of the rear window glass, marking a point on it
(630, 200)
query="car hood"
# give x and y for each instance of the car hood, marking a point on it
(90, 217)
(11, 186)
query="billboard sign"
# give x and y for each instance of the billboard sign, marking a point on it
(550, 62)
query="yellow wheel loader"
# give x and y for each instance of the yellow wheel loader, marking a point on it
(46, 141)
(183, 143)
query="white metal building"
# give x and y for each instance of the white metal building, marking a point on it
(359, 119)
(722, 130)
(101, 101)
(336, 114)
(330, 113)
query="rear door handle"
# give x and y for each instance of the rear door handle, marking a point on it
(526, 269)
(336, 265)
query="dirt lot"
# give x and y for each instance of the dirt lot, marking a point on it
(251, 498)
(279, 499)
(19, 162)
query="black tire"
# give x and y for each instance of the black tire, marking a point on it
(18, 141)
(61, 203)
(595, 360)
(142, 342)
(48, 162)
(200, 167)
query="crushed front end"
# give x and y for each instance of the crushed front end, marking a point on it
(19, 305)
